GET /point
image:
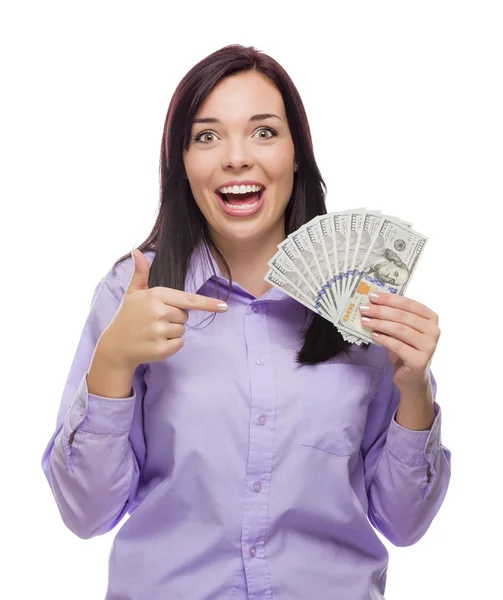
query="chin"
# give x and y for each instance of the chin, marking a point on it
(241, 232)
(244, 234)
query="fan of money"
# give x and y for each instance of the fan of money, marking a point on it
(331, 265)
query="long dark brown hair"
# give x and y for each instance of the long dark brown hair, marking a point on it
(180, 226)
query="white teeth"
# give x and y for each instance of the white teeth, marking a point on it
(240, 189)
(240, 206)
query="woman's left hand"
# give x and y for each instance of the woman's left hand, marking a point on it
(409, 332)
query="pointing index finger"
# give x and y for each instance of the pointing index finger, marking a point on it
(188, 301)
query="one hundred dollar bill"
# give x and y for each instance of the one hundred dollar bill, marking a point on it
(321, 235)
(356, 229)
(389, 265)
(329, 263)
(343, 229)
(316, 238)
(292, 252)
(307, 253)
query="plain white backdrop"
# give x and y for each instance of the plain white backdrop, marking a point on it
(405, 106)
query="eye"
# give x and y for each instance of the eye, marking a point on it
(267, 130)
(199, 136)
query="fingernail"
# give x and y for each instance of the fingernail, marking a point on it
(364, 308)
(222, 306)
(365, 320)
(374, 296)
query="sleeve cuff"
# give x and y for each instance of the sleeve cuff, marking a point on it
(415, 447)
(95, 414)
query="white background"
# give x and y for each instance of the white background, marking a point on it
(405, 104)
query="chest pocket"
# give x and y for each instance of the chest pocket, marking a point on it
(334, 406)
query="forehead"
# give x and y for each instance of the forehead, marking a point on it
(240, 96)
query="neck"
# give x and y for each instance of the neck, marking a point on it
(247, 260)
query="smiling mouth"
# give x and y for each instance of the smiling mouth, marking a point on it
(242, 201)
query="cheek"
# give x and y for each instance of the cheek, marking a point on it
(198, 179)
(287, 184)
(282, 173)
(283, 194)
(198, 195)
(278, 159)
(198, 166)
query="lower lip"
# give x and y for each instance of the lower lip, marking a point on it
(241, 212)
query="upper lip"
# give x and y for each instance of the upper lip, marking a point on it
(236, 182)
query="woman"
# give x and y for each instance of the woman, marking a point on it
(249, 452)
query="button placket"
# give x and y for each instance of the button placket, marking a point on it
(260, 449)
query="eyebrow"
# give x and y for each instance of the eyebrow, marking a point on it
(260, 117)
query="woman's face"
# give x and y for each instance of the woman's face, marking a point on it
(244, 137)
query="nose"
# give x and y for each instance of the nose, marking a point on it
(236, 155)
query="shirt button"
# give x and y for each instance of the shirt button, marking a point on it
(260, 361)
(82, 409)
(257, 486)
(255, 308)
(262, 420)
(253, 551)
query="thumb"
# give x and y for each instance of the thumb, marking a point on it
(139, 279)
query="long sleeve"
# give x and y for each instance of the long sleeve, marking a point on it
(407, 472)
(93, 479)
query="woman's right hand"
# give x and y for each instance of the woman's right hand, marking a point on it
(149, 323)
